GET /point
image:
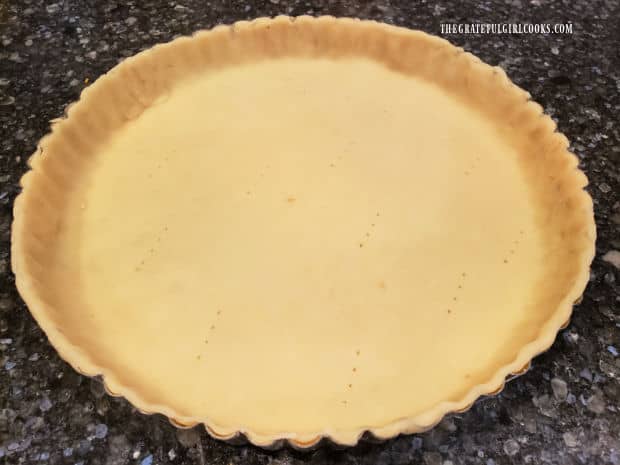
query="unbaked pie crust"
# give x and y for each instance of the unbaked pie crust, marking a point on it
(298, 228)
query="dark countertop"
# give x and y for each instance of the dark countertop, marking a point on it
(565, 410)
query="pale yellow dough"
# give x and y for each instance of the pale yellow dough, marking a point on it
(305, 245)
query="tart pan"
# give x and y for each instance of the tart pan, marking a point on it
(293, 229)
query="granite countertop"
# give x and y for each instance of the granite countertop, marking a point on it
(565, 410)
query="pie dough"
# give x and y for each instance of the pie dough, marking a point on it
(298, 228)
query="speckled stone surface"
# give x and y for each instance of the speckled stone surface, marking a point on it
(565, 410)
